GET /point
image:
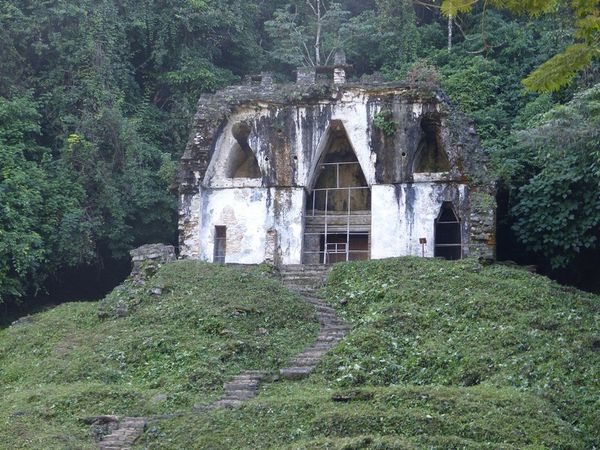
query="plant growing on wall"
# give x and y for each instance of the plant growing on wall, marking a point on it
(384, 122)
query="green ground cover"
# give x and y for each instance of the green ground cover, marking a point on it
(442, 355)
(168, 352)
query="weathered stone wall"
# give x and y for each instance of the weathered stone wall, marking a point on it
(288, 131)
(148, 258)
(404, 213)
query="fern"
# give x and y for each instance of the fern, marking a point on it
(560, 70)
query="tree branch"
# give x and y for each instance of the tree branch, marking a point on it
(309, 3)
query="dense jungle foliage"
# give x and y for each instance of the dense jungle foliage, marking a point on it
(96, 98)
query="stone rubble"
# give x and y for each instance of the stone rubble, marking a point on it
(129, 429)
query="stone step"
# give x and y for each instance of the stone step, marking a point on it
(248, 376)
(327, 332)
(303, 281)
(240, 395)
(198, 408)
(318, 346)
(329, 337)
(295, 373)
(237, 386)
(303, 287)
(303, 277)
(308, 275)
(332, 339)
(226, 403)
(338, 326)
(306, 286)
(301, 267)
(313, 352)
(331, 329)
(325, 309)
(123, 437)
(241, 387)
(120, 435)
(300, 289)
(305, 362)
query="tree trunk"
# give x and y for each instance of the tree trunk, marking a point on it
(318, 37)
(449, 33)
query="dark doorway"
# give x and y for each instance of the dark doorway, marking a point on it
(220, 244)
(345, 247)
(447, 234)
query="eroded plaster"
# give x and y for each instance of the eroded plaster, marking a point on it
(289, 130)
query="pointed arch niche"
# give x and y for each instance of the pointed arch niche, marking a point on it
(241, 162)
(338, 205)
(430, 156)
(448, 243)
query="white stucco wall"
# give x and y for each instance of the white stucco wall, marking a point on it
(289, 224)
(400, 214)
(353, 113)
(248, 214)
(386, 227)
(403, 214)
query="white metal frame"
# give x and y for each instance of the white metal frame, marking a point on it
(314, 212)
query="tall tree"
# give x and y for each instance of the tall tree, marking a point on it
(95, 99)
(559, 70)
(307, 32)
(555, 173)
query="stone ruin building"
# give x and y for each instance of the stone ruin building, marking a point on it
(327, 170)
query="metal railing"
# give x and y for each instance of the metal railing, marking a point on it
(324, 203)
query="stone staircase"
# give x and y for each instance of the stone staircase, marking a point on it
(333, 330)
(237, 391)
(304, 280)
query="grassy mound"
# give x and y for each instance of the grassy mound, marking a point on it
(310, 415)
(442, 355)
(166, 353)
(460, 324)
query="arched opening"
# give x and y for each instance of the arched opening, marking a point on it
(338, 209)
(241, 162)
(430, 155)
(447, 233)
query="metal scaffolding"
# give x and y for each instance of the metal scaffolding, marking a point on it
(341, 226)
